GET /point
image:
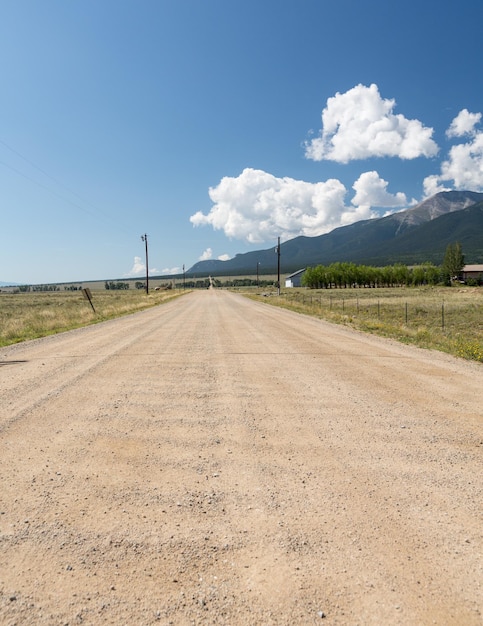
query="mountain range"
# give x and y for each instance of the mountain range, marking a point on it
(416, 235)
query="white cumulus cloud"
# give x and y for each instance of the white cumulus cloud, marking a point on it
(206, 255)
(463, 124)
(432, 185)
(464, 166)
(139, 268)
(257, 207)
(360, 124)
(371, 190)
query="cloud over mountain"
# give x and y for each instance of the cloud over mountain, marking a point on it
(257, 206)
(464, 166)
(371, 190)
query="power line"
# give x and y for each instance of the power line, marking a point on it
(75, 204)
(36, 166)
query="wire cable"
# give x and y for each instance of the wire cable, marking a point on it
(75, 204)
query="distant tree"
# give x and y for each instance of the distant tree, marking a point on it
(118, 285)
(453, 262)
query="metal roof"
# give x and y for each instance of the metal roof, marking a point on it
(473, 268)
(296, 273)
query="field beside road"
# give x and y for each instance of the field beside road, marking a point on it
(32, 315)
(220, 461)
(449, 319)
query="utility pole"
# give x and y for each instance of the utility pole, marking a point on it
(145, 239)
(258, 282)
(278, 264)
(184, 278)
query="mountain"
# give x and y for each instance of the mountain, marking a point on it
(416, 235)
(434, 207)
(428, 242)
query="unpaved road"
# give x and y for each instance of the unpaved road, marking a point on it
(219, 461)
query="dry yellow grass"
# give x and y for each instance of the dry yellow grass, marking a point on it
(31, 315)
(449, 319)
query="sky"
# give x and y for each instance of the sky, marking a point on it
(216, 126)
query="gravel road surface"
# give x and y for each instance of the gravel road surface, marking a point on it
(220, 461)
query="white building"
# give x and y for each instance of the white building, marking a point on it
(295, 279)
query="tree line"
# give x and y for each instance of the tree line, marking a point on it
(343, 275)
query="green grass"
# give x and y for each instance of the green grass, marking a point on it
(31, 315)
(449, 319)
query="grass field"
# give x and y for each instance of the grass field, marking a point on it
(37, 314)
(449, 319)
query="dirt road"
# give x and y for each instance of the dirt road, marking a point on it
(219, 461)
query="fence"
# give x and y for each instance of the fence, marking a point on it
(402, 310)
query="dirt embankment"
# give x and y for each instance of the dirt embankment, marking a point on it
(219, 461)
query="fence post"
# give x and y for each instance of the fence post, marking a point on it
(406, 312)
(442, 315)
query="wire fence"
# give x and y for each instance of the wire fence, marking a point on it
(458, 318)
(404, 311)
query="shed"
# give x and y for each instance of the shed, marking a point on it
(472, 271)
(295, 279)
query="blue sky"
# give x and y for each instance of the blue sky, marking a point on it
(215, 126)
